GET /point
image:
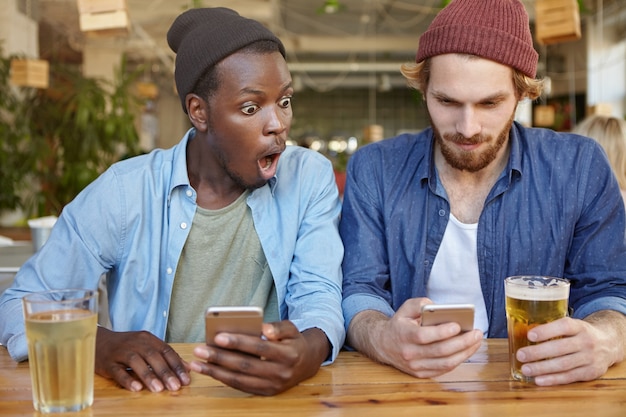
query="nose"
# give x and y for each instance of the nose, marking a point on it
(468, 124)
(278, 121)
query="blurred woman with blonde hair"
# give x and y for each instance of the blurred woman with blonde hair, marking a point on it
(610, 133)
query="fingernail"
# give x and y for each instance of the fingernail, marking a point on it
(271, 331)
(521, 356)
(136, 386)
(173, 384)
(185, 378)
(195, 367)
(532, 336)
(156, 386)
(201, 352)
(526, 370)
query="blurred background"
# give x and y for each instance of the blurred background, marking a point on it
(344, 56)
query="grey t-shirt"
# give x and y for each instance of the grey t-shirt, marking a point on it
(222, 264)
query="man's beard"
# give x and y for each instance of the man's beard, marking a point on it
(472, 161)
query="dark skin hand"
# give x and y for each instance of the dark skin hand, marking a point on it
(264, 367)
(139, 359)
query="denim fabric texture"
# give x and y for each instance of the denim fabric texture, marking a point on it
(555, 210)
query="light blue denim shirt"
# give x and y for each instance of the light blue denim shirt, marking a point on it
(555, 210)
(132, 222)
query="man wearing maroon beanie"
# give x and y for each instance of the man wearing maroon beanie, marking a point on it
(445, 215)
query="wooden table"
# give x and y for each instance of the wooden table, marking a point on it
(352, 386)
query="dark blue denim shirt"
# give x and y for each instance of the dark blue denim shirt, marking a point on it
(555, 210)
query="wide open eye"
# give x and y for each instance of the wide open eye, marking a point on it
(285, 102)
(250, 109)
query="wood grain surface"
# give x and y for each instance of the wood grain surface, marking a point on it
(352, 386)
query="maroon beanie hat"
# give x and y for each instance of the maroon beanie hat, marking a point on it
(493, 29)
(202, 37)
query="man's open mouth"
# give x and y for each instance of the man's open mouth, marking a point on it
(268, 165)
(266, 162)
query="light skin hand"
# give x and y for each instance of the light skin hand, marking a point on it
(264, 367)
(400, 341)
(138, 359)
(584, 350)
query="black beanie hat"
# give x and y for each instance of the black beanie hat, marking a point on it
(202, 37)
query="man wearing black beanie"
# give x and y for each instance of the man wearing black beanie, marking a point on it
(230, 216)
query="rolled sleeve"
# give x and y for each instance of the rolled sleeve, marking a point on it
(598, 304)
(14, 334)
(354, 304)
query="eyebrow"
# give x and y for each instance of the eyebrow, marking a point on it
(254, 91)
(499, 96)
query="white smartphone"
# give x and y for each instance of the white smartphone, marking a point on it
(244, 319)
(434, 314)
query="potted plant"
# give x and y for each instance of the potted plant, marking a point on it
(13, 149)
(58, 140)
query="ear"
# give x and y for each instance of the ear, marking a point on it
(197, 109)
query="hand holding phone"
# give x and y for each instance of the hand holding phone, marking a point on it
(245, 320)
(435, 314)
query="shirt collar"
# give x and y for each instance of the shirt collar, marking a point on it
(180, 177)
(272, 183)
(515, 140)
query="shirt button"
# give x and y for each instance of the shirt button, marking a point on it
(183, 225)
(164, 313)
(442, 213)
(169, 271)
(189, 193)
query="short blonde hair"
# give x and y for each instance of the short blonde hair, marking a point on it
(610, 133)
(418, 76)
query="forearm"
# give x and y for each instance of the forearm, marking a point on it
(364, 333)
(613, 324)
(320, 347)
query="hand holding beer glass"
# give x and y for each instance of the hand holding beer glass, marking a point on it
(61, 331)
(531, 301)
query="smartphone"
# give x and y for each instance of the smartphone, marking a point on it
(434, 314)
(245, 319)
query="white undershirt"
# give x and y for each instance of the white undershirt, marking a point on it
(454, 277)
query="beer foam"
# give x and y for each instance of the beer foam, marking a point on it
(522, 289)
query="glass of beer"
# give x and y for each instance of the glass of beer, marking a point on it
(61, 330)
(531, 301)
